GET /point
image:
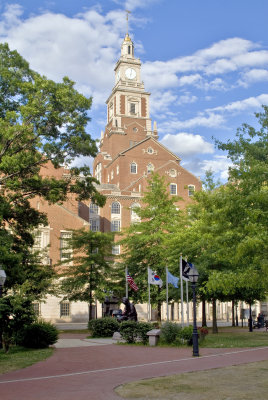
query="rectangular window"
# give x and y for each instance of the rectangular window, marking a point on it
(115, 226)
(191, 190)
(133, 168)
(36, 308)
(65, 249)
(132, 108)
(116, 250)
(94, 225)
(93, 209)
(64, 309)
(173, 188)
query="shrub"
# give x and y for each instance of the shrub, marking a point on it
(143, 328)
(132, 331)
(169, 332)
(129, 331)
(103, 327)
(186, 334)
(39, 335)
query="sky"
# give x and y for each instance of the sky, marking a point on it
(204, 62)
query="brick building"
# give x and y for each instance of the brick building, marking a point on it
(130, 150)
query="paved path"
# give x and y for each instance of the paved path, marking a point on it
(91, 372)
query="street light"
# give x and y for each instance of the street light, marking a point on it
(2, 282)
(193, 277)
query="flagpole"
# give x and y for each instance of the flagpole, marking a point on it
(149, 295)
(182, 317)
(167, 291)
(187, 299)
(126, 272)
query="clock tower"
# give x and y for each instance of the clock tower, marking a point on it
(128, 109)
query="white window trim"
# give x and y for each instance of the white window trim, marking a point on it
(116, 252)
(192, 186)
(136, 167)
(120, 208)
(175, 186)
(113, 222)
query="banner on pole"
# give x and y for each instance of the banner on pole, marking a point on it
(154, 279)
(172, 279)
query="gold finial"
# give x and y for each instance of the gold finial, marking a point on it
(127, 14)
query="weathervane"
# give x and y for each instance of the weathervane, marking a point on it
(127, 14)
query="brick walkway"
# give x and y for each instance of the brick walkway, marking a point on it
(92, 372)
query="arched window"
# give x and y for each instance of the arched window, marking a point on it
(150, 168)
(115, 208)
(133, 168)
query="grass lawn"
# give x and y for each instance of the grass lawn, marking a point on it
(236, 337)
(66, 331)
(20, 357)
(243, 382)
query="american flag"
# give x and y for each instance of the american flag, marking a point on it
(131, 283)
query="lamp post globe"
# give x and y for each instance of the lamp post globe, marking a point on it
(193, 277)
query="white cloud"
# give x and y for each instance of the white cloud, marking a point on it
(84, 47)
(224, 57)
(252, 76)
(212, 120)
(134, 4)
(187, 144)
(187, 98)
(161, 101)
(219, 164)
(242, 105)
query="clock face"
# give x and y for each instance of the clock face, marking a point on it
(130, 73)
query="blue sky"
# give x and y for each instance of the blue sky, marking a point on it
(204, 62)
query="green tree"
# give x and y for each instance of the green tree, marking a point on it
(145, 242)
(204, 239)
(89, 274)
(16, 312)
(244, 284)
(248, 205)
(41, 122)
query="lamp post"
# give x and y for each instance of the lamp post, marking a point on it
(2, 282)
(193, 277)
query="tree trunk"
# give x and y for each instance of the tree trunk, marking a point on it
(236, 314)
(233, 313)
(214, 317)
(204, 317)
(250, 329)
(90, 306)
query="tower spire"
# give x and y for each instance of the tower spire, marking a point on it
(127, 15)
